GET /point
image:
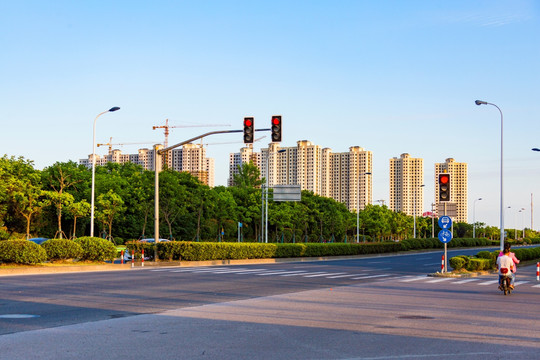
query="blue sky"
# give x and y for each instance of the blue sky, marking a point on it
(390, 76)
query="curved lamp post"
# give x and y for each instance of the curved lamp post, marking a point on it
(480, 102)
(474, 218)
(358, 207)
(414, 215)
(94, 169)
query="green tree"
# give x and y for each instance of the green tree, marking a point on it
(248, 176)
(61, 177)
(77, 210)
(110, 206)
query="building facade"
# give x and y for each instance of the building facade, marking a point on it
(190, 157)
(458, 188)
(341, 176)
(406, 184)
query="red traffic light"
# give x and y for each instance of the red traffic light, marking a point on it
(443, 179)
(276, 128)
(248, 129)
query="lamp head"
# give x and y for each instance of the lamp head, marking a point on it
(535, 149)
(114, 109)
(480, 102)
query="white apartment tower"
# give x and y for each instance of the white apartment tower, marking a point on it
(246, 155)
(344, 177)
(191, 158)
(298, 165)
(341, 176)
(458, 187)
(406, 180)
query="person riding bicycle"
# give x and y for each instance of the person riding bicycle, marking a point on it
(506, 266)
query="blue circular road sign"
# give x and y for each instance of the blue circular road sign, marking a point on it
(445, 236)
(445, 222)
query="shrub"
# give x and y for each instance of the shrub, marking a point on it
(96, 249)
(61, 249)
(21, 252)
(457, 262)
(476, 264)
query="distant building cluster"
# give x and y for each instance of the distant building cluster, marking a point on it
(190, 158)
(343, 176)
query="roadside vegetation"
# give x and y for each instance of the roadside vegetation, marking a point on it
(54, 203)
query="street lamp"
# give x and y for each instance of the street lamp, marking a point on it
(414, 206)
(358, 207)
(474, 218)
(535, 149)
(480, 102)
(94, 169)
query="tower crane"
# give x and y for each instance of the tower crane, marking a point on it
(167, 127)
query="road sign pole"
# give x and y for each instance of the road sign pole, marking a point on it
(445, 248)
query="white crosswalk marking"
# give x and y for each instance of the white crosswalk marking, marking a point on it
(520, 282)
(323, 274)
(465, 281)
(341, 276)
(315, 272)
(537, 286)
(370, 276)
(440, 280)
(491, 282)
(282, 272)
(252, 271)
(423, 277)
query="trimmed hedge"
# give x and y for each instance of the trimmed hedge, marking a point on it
(96, 249)
(62, 249)
(21, 252)
(486, 260)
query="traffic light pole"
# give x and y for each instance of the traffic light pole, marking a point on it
(157, 160)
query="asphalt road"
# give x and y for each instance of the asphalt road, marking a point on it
(376, 307)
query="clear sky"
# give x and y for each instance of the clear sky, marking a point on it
(390, 76)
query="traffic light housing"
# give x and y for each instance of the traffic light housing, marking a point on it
(249, 130)
(444, 187)
(276, 128)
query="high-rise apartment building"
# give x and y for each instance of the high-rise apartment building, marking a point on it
(190, 157)
(406, 180)
(458, 188)
(246, 155)
(344, 177)
(341, 176)
(298, 165)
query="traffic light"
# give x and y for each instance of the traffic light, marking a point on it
(248, 130)
(444, 187)
(276, 128)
